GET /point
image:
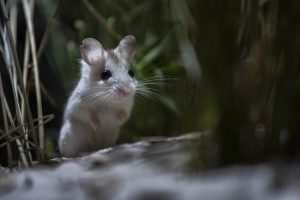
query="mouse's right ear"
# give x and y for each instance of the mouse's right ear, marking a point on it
(91, 51)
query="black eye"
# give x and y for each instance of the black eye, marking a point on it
(131, 73)
(106, 75)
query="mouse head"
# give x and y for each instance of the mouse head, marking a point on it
(110, 71)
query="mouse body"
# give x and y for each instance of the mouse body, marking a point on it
(102, 100)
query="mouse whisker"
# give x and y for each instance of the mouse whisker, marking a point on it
(144, 88)
(157, 81)
(93, 96)
(147, 100)
(145, 93)
(159, 78)
(108, 95)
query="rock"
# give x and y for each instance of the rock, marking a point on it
(147, 170)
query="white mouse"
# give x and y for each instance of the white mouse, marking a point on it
(102, 100)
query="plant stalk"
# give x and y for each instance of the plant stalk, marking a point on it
(29, 23)
(19, 75)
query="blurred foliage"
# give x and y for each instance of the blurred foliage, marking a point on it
(231, 67)
(256, 81)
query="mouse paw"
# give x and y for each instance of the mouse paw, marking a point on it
(121, 115)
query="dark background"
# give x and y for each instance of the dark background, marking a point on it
(229, 68)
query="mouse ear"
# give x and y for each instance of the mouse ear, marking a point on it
(91, 51)
(126, 47)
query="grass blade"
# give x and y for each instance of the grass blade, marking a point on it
(18, 72)
(28, 10)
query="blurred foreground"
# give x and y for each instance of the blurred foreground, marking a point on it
(150, 169)
(231, 67)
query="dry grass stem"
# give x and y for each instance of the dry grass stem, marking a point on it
(28, 10)
(16, 77)
(5, 122)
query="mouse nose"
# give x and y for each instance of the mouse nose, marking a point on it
(125, 91)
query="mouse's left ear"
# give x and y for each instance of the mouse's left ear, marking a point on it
(91, 51)
(126, 47)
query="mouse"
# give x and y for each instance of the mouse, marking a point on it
(102, 99)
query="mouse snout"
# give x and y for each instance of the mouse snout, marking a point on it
(124, 90)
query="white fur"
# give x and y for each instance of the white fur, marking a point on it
(80, 133)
